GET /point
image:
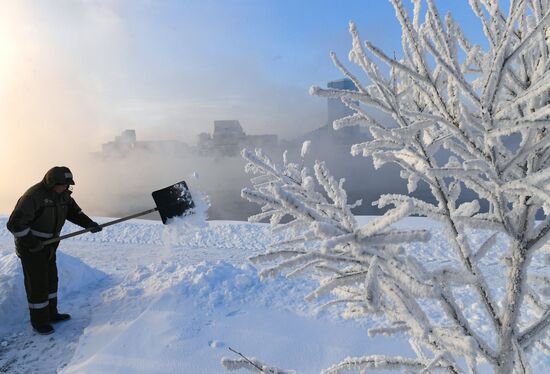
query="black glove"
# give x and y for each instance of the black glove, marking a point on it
(52, 253)
(95, 227)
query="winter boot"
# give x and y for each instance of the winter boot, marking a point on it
(40, 320)
(43, 329)
(58, 317)
(55, 316)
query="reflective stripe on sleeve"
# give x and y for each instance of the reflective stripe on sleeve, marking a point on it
(39, 305)
(41, 234)
(52, 295)
(22, 233)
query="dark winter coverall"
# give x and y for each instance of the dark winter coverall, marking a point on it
(39, 215)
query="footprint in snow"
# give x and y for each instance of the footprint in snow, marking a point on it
(234, 313)
(189, 330)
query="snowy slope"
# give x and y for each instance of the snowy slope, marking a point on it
(149, 298)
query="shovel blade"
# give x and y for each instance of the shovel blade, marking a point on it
(173, 201)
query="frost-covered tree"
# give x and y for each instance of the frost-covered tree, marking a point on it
(465, 117)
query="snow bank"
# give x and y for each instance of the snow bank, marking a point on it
(178, 310)
(75, 276)
(12, 292)
(189, 326)
(223, 284)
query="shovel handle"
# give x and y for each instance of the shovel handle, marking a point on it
(76, 233)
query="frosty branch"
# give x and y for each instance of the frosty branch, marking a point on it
(464, 118)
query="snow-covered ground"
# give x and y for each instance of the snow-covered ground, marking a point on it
(149, 298)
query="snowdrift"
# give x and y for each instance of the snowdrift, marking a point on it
(188, 327)
(145, 300)
(77, 277)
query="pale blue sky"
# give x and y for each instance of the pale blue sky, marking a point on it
(170, 68)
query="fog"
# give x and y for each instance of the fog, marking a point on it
(119, 186)
(59, 102)
(74, 74)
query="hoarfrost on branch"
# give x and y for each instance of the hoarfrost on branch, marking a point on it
(446, 96)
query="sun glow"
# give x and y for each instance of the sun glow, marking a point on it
(8, 43)
(6, 53)
(7, 63)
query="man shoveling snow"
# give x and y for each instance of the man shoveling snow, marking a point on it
(36, 223)
(40, 215)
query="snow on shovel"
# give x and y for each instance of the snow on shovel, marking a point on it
(172, 201)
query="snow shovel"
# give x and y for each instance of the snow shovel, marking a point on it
(172, 201)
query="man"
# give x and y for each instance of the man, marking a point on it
(38, 216)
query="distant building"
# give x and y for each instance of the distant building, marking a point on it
(336, 109)
(205, 145)
(126, 143)
(229, 138)
(325, 136)
(123, 144)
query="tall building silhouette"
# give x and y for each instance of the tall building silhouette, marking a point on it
(336, 109)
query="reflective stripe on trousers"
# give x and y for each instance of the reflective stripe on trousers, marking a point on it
(39, 305)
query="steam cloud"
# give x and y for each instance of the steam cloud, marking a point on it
(64, 93)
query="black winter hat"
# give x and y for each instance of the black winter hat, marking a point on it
(58, 175)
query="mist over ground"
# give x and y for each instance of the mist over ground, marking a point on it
(152, 67)
(115, 187)
(137, 65)
(118, 187)
(122, 187)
